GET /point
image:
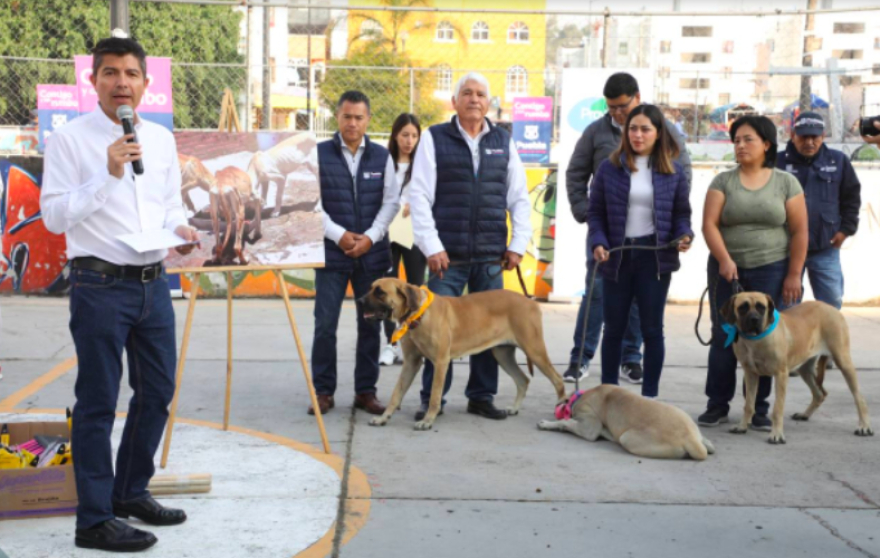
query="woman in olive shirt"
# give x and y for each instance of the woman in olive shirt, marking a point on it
(755, 223)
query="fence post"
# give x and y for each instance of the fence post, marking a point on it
(412, 90)
(119, 15)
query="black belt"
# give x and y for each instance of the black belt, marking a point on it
(142, 273)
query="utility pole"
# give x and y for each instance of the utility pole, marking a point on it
(309, 66)
(266, 120)
(605, 42)
(119, 15)
(806, 99)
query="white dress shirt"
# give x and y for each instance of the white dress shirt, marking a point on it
(390, 198)
(82, 199)
(423, 187)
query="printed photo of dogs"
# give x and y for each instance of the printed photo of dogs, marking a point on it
(254, 197)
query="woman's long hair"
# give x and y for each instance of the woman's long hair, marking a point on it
(399, 124)
(665, 150)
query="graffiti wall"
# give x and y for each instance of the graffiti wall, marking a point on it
(32, 259)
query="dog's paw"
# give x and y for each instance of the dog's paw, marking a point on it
(423, 425)
(865, 431)
(739, 429)
(378, 421)
(544, 424)
(800, 416)
(512, 411)
(776, 439)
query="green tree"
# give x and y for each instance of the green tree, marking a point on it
(388, 89)
(60, 29)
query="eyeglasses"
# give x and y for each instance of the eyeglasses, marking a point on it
(620, 108)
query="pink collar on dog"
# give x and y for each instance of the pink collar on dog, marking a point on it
(563, 410)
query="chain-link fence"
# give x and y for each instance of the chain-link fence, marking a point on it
(705, 69)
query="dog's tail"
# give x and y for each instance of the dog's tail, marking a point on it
(698, 449)
(710, 448)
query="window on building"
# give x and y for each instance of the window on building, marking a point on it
(480, 32)
(877, 43)
(664, 71)
(518, 33)
(665, 47)
(848, 28)
(848, 54)
(877, 70)
(445, 32)
(370, 29)
(689, 83)
(723, 99)
(846, 81)
(696, 31)
(517, 81)
(728, 47)
(696, 57)
(623, 48)
(444, 79)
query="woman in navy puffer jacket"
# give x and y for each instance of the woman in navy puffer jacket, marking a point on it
(639, 197)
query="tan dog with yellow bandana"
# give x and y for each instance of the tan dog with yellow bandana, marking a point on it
(442, 328)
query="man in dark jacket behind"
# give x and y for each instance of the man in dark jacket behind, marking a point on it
(598, 141)
(832, 190)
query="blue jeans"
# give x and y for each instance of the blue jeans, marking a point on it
(721, 378)
(639, 280)
(826, 276)
(483, 382)
(329, 293)
(108, 315)
(632, 339)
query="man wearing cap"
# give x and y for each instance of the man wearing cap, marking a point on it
(832, 191)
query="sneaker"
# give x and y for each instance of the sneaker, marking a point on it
(761, 423)
(713, 417)
(632, 371)
(574, 374)
(398, 353)
(386, 357)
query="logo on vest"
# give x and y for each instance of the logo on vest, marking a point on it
(828, 169)
(372, 175)
(494, 152)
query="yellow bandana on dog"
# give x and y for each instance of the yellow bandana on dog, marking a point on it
(404, 327)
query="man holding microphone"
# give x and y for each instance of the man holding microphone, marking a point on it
(119, 298)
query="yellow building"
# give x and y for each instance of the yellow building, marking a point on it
(508, 48)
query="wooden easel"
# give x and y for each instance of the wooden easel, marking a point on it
(228, 114)
(193, 295)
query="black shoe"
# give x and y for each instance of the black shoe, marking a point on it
(632, 371)
(486, 409)
(713, 417)
(149, 511)
(574, 373)
(423, 410)
(115, 536)
(761, 423)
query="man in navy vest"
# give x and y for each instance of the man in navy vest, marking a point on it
(466, 177)
(360, 197)
(833, 195)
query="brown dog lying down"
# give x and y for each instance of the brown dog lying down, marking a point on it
(644, 427)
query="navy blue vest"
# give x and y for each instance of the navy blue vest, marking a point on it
(355, 214)
(470, 211)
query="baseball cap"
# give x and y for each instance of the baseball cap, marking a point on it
(809, 124)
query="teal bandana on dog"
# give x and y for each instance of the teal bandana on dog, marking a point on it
(732, 332)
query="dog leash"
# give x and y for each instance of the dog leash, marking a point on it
(737, 288)
(589, 293)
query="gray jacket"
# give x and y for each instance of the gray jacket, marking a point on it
(598, 141)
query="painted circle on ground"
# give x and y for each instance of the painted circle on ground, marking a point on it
(266, 499)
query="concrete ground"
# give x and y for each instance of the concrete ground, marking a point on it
(475, 488)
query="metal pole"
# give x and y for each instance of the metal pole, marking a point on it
(266, 120)
(606, 20)
(248, 101)
(119, 15)
(412, 90)
(309, 64)
(806, 98)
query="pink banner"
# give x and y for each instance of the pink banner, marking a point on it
(156, 99)
(57, 97)
(533, 109)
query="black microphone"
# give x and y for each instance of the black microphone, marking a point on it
(126, 115)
